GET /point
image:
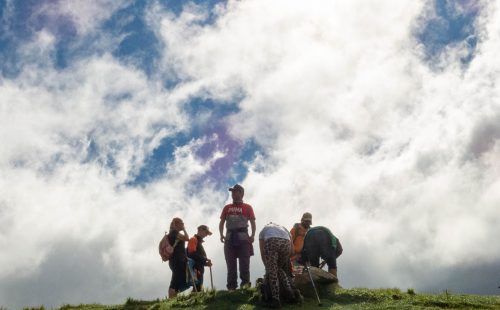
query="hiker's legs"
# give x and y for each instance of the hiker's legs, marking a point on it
(199, 285)
(283, 248)
(231, 263)
(331, 261)
(172, 293)
(270, 258)
(178, 281)
(334, 272)
(244, 258)
(315, 247)
(311, 250)
(312, 254)
(327, 252)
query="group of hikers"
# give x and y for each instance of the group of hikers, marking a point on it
(280, 250)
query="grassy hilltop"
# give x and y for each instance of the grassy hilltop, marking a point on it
(357, 298)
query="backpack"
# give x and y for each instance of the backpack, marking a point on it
(165, 248)
(296, 226)
(338, 248)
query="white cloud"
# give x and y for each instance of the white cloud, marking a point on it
(85, 15)
(358, 129)
(72, 138)
(400, 161)
(49, 113)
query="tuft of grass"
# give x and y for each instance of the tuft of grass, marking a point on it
(355, 298)
(363, 295)
(91, 307)
(196, 299)
(394, 299)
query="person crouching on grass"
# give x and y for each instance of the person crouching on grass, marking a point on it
(196, 252)
(177, 237)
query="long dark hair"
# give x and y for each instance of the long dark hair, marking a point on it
(175, 220)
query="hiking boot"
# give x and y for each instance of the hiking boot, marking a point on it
(333, 271)
(275, 304)
(245, 285)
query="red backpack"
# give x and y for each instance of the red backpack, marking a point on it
(165, 248)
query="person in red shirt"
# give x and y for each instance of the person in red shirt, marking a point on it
(196, 252)
(238, 244)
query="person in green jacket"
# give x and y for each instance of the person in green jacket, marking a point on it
(319, 242)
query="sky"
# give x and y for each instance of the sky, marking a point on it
(381, 118)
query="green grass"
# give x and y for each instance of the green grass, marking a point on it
(356, 298)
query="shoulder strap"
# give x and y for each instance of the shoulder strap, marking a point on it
(175, 242)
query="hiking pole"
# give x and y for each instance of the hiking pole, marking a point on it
(312, 282)
(211, 279)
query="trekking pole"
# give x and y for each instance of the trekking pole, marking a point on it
(312, 282)
(211, 279)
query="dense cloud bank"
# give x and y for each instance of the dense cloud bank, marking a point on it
(398, 153)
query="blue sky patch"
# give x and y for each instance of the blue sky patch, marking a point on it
(208, 123)
(452, 22)
(20, 24)
(14, 28)
(177, 6)
(140, 47)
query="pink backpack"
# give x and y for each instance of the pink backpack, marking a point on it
(165, 248)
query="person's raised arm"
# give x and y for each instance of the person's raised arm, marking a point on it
(184, 235)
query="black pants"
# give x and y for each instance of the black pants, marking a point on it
(232, 255)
